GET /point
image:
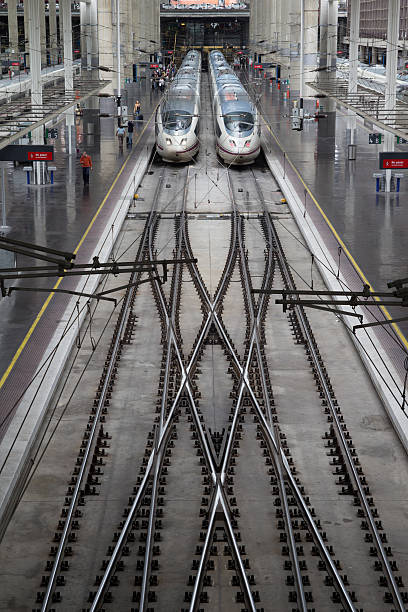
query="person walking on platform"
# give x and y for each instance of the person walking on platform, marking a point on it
(120, 133)
(130, 132)
(86, 163)
(136, 109)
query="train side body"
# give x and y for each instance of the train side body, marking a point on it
(236, 120)
(177, 118)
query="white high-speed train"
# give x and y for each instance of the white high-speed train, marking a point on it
(177, 118)
(236, 120)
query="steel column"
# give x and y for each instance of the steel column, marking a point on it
(353, 62)
(68, 65)
(311, 23)
(391, 75)
(34, 42)
(12, 29)
(52, 21)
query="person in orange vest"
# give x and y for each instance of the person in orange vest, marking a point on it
(86, 163)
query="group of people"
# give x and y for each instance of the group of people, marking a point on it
(85, 159)
(161, 77)
(121, 129)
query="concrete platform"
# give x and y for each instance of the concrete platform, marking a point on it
(57, 216)
(37, 334)
(350, 256)
(371, 225)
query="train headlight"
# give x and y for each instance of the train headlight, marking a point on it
(183, 141)
(247, 143)
(168, 141)
(232, 143)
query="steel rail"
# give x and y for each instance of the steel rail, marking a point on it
(220, 493)
(273, 445)
(275, 450)
(105, 580)
(255, 321)
(92, 435)
(158, 460)
(340, 434)
(170, 311)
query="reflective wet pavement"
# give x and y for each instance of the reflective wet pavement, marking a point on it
(373, 226)
(58, 215)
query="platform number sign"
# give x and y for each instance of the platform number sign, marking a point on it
(401, 140)
(51, 133)
(374, 138)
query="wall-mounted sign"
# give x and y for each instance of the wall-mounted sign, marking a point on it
(25, 153)
(393, 161)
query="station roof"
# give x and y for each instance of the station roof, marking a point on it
(19, 117)
(366, 103)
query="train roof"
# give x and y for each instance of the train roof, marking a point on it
(182, 94)
(233, 96)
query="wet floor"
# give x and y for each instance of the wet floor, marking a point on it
(57, 215)
(372, 225)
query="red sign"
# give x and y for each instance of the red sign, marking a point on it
(154, 65)
(395, 163)
(258, 66)
(40, 156)
(15, 63)
(394, 160)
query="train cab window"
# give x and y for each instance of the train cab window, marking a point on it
(238, 124)
(177, 121)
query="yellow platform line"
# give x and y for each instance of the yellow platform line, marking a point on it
(338, 238)
(57, 284)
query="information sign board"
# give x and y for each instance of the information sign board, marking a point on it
(26, 153)
(374, 138)
(40, 156)
(394, 160)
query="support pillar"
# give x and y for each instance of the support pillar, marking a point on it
(52, 21)
(295, 47)
(327, 61)
(86, 35)
(105, 40)
(391, 75)
(34, 42)
(26, 34)
(128, 47)
(43, 35)
(252, 30)
(353, 62)
(259, 29)
(284, 41)
(267, 29)
(117, 54)
(68, 67)
(13, 30)
(156, 33)
(332, 31)
(311, 23)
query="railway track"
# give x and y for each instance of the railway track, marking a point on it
(192, 488)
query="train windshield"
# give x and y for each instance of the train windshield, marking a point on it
(239, 124)
(177, 121)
